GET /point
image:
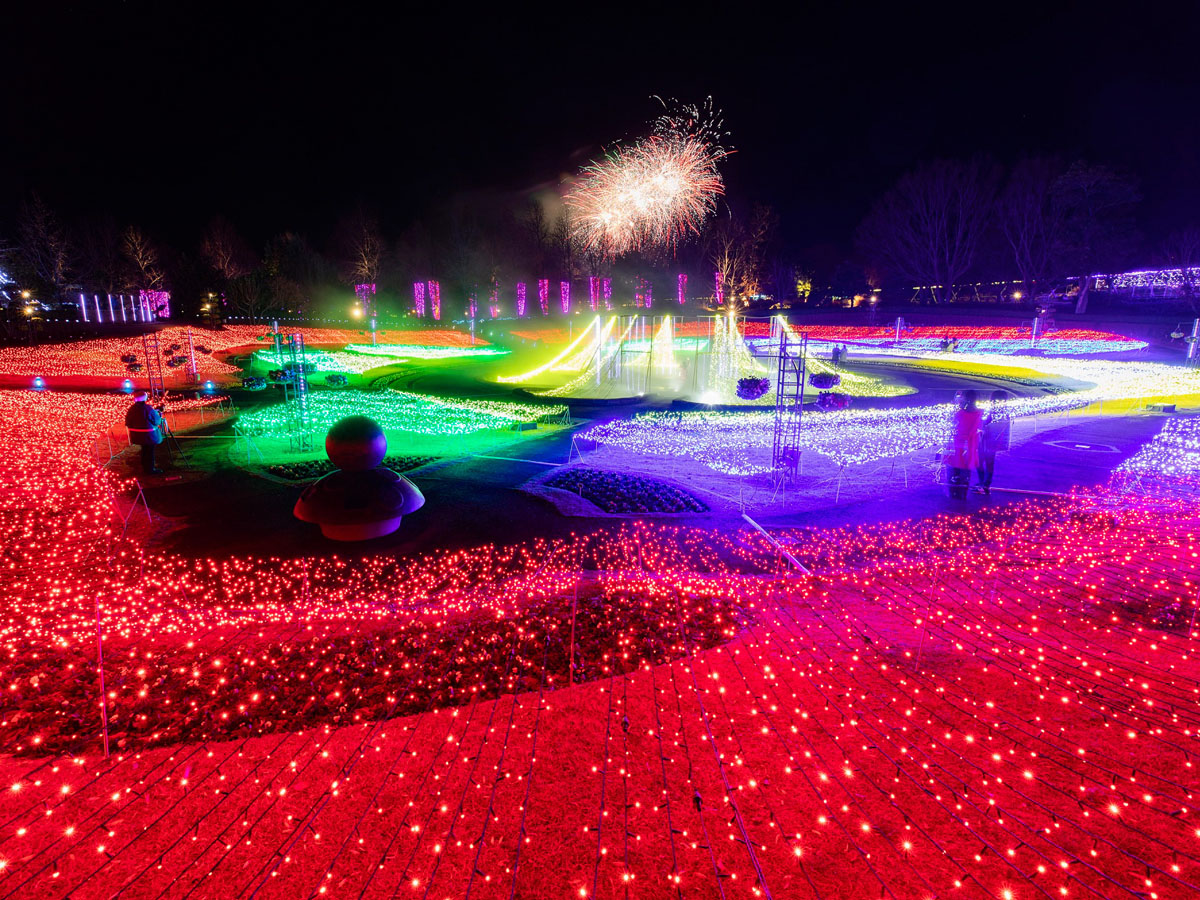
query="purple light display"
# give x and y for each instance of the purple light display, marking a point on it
(419, 298)
(494, 300)
(83, 307)
(720, 289)
(641, 293)
(157, 302)
(366, 298)
(606, 289)
(544, 295)
(520, 299)
(593, 292)
(472, 305)
(564, 296)
(681, 288)
(435, 300)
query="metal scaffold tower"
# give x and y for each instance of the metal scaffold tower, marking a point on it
(290, 354)
(154, 364)
(192, 370)
(789, 401)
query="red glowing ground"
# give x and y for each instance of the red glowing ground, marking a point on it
(994, 706)
(101, 358)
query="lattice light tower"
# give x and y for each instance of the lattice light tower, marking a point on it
(790, 373)
(155, 376)
(290, 355)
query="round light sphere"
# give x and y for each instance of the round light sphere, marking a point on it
(356, 443)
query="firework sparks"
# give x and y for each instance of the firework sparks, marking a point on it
(699, 121)
(653, 193)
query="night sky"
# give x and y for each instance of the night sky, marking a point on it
(281, 117)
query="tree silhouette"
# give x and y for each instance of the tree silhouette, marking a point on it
(1029, 218)
(45, 248)
(1095, 206)
(928, 227)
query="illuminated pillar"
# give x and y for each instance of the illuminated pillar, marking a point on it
(366, 298)
(96, 300)
(83, 306)
(564, 296)
(544, 295)
(435, 300)
(520, 299)
(681, 288)
(720, 289)
(419, 298)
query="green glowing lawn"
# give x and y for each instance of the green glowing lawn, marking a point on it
(414, 423)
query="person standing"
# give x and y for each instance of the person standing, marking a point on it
(145, 425)
(995, 435)
(964, 445)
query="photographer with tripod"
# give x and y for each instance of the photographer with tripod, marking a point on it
(146, 429)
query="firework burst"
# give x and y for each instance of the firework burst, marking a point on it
(655, 192)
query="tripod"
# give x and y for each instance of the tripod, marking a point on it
(172, 443)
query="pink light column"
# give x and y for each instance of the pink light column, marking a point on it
(564, 296)
(642, 293)
(419, 298)
(435, 300)
(520, 299)
(720, 291)
(494, 300)
(681, 288)
(593, 292)
(158, 302)
(544, 295)
(606, 289)
(366, 298)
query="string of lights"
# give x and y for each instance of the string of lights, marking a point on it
(396, 411)
(739, 443)
(996, 705)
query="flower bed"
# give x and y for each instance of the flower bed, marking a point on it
(616, 493)
(315, 468)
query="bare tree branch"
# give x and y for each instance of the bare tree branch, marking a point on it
(928, 227)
